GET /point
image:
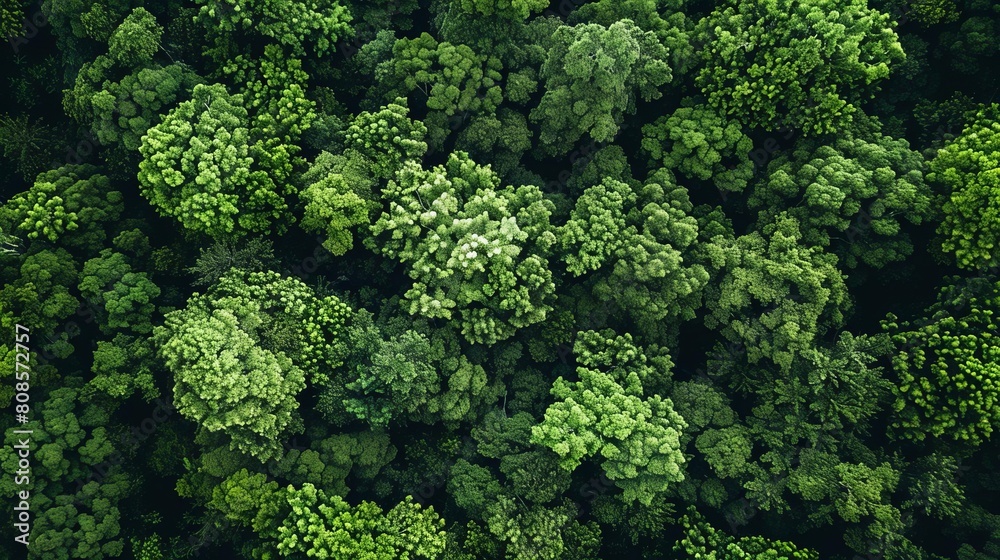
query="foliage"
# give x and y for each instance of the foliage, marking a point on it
(477, 253)
(604, 413)
(327, 526)
(964, 167)
(784, 63)
(591, 75)
(948, 384)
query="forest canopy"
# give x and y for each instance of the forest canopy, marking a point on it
(500, 279)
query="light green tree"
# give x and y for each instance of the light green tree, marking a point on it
(328, 527)
(477, 253)
(605, 413)
(966, 168)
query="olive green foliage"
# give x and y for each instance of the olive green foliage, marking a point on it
(11, 17)
(411, 375)
(696, 141)
(387, 138)
(124, 110)
(701, 540)
(28, 142)
(300, 27)
(641, 242)
(776, 294)
(199, 167)
(852, 193)
(127, 296)
(77, 516)
(593, 76)
(786, 63)
(500, 279)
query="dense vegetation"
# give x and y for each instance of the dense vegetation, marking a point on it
(503, 279)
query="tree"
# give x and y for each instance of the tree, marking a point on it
(239, 355)
(643, 244)
(124, 110)
(948, 379)
(127, 296)
(454, 81)
(328, 527)
(477, 253)
(591, 74)
(122, 367)
(799, 287)
(604, 412)
(701, 540)
(222, 256)
(409, 371)
(11, 18)
(700, 144)
(136, 39)
(72, 198)
(965, 168)
(216, 170)
(859, 189)
(510, 9)
(296, 26)
(196, 166)
(225, 382)
(387, 138)
(808, 66)
(77, 515)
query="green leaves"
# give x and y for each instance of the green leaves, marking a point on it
(452, 79)
(699, 143)
(799, 286)
(477, 253)
(949, 377)
(238, 355)
(967, 169)
(299, 27)
(605, 412)
(591, 75)
(136, 40)
(854, 193)
(770, 64)
(327, 527)
(72, 198)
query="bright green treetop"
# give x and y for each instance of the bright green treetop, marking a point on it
(605, 413)
(968, 169)
(476, 252)
(328, 527)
